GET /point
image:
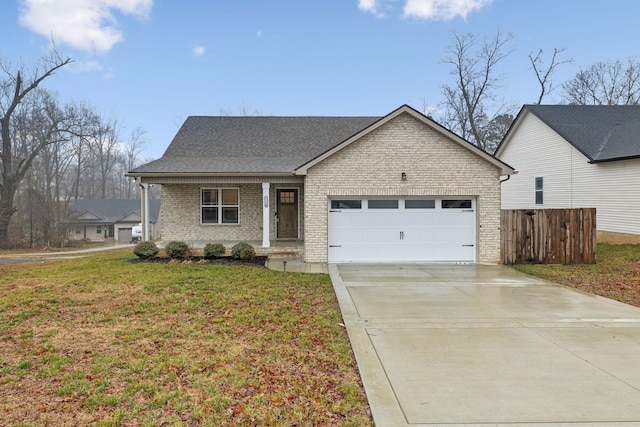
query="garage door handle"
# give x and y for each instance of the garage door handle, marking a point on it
(402, 235)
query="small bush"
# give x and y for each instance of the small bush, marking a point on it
(145, 250)
(214, 250)
(177, 249)
(247, 254)
(237, 249)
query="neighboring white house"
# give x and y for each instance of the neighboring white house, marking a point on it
(394, 188)
(577, 156)
(97, 220)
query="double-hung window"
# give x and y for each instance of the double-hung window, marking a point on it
(220, 206)
(539, 190)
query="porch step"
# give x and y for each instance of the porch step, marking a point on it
(280, 251)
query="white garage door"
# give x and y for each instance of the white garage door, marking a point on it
(392, 230)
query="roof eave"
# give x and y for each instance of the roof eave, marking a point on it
(615, 159)
(203, 174)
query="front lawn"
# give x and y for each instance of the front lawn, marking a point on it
(101, 341)
(616, 274)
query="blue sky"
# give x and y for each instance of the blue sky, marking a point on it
(152, 63)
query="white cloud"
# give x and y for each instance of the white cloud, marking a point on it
(198, 50)
(367, 5)
(87, 25)
(443, 9)
(259, 33)
(371, 6)
(426, 9)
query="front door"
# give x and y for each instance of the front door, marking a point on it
(287, 213)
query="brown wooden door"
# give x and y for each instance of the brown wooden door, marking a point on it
(287, 214)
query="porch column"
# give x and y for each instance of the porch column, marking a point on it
(265, 215)
(146, 235)
(144, 208)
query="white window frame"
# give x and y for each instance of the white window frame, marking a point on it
(219, 206)
(540, 190)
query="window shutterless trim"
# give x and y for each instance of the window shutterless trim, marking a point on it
(218, 210)
(539, 190)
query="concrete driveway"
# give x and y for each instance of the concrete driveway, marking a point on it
(451, 345)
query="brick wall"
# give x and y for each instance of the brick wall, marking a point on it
(180, 213)
(435, 166)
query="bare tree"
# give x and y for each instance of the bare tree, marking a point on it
(104, 148)
(17, 92)
(132, 153)
(78, 147)
(605, 83)
(470, 102)
(545, 74)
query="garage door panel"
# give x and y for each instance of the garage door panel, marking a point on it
(364, 236)
(402, 235)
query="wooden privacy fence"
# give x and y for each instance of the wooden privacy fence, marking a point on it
(548, 236)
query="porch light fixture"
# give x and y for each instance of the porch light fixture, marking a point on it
(403, 176)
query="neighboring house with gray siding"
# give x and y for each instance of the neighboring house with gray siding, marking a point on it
(98, 220)
(394, 188)
(577, 156)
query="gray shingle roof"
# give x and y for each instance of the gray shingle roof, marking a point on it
(262, 144)
(600, 132)
(111, 210)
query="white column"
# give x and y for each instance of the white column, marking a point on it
(146, 235)
(266, 215)
(144, 208)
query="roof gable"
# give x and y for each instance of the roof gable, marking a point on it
(130, 217)
(88, 216)
(405, 109)
(600, 132)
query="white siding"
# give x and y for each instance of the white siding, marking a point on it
(613, 188)
(532, 142)
(570, 181)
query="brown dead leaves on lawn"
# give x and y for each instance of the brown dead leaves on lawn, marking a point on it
(100, 341)
(616, 274)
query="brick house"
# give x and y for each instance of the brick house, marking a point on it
(394, 188)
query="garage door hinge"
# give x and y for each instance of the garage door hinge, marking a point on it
(335, 246)
(334, 211)
(467, 210)
(468, 246)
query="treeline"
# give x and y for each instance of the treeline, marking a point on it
(54, 153)
(88, 166)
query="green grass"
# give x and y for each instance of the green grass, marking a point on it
(615, 275)
(101, 341)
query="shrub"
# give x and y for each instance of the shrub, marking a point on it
(214, 250)
(247, 254)
(237, 249)
(177, 249)
(145, 250)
